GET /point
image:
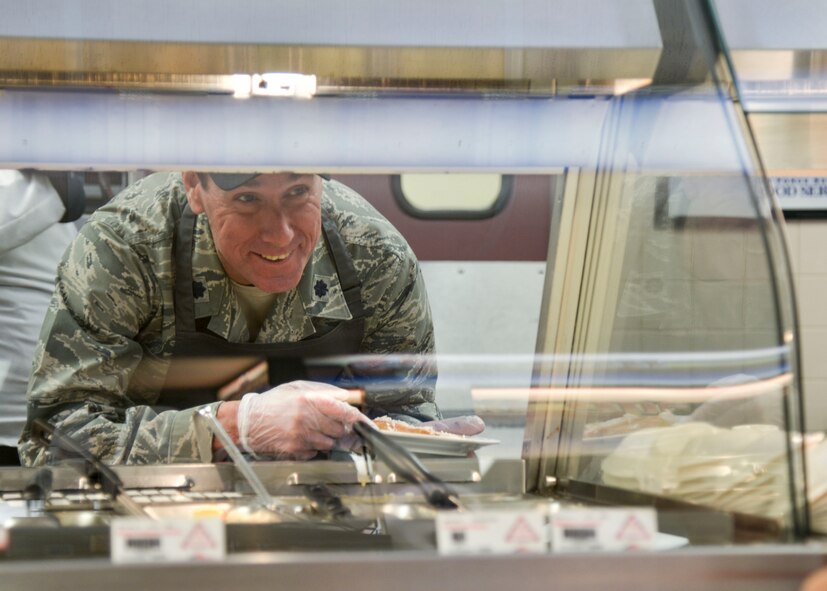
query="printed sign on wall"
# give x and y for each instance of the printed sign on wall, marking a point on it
(800, 193)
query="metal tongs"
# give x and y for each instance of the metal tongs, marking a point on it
(436, 492)
(96, 471)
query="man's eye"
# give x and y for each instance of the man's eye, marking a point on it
(298, 191)
(246, 198)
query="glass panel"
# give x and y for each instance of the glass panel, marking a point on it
(679, 380)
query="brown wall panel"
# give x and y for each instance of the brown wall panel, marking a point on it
(520, 232)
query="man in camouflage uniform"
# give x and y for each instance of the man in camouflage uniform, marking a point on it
(261, 262)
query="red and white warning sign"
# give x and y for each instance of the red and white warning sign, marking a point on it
(136, 540)
(492, 532)
(615, 528)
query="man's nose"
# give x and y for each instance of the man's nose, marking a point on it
(276, 228)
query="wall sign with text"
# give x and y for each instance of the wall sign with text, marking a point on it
(805, 193)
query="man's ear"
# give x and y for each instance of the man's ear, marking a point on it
(195, 191)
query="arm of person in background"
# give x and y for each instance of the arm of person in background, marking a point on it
(28, 206)
(732, 402)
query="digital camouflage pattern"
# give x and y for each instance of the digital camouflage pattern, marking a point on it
(107, 337)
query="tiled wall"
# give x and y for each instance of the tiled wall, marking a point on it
(807, 241)
(729, 302)
(701, 284)
(698, 283)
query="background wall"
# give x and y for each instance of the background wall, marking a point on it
(807, 240)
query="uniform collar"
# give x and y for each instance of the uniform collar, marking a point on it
(318, 295)
(320, 288)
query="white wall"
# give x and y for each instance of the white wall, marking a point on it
(807, 240)
(466, 302)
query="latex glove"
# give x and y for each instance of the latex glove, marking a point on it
(295, 420)
(467, 425)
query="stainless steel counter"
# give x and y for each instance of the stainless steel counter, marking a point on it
(730, 569)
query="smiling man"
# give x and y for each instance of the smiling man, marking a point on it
(281, 266)
(265, 228)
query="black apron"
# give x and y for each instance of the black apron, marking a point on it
(286, 361)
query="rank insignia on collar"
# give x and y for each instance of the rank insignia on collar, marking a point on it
(321, 288)
(199, 290)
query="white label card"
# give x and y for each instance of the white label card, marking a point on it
(492, 532)
(138, 540)
(613, 529)
(9, 510)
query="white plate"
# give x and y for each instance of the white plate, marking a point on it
(439, 445)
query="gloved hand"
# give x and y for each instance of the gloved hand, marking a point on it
(467, 425)
(295, 420)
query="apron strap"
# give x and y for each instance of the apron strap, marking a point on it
(182, 256)
(348, 277)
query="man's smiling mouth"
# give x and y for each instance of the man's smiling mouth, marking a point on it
(273, 258)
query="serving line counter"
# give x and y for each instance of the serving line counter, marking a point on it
(390, 533)
(314, 506)
(775, 568)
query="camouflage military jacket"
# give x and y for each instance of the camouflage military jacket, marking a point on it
(108, 335)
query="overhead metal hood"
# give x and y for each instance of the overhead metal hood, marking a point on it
(779, 53)
(499, 47)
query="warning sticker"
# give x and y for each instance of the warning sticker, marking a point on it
(136, 540)
(616, 528)
(492, 532)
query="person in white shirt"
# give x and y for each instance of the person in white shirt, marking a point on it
(32, 241)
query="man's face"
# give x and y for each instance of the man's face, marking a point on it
(266, 229)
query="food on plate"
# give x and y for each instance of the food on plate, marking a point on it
(389, 424)
(395, 426)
